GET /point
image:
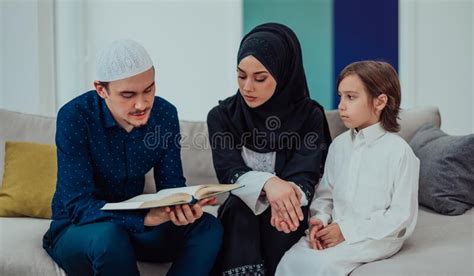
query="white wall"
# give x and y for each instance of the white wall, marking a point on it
(2, 23)
(193, 45)
(46, 58)
(436, 59)
(27, 57)
(71, 56)
(19, 56)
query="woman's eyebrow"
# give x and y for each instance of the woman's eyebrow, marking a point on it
(348, 91)
(255, 73)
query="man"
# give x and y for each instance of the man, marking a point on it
(104, 150)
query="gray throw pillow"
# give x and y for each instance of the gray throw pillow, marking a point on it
(446, 170)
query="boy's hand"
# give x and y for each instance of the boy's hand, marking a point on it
(314, 226)
(330, 236)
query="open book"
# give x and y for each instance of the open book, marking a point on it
(172, 196)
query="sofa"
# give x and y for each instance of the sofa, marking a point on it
(440, 245)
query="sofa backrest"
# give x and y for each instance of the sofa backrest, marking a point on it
(196, 152)
(410, 120)
(16, 126)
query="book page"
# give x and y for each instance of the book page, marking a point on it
(171, 196)
(208, 190)
(164, 193)
(122, 206)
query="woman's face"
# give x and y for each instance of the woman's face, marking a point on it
(256, 84)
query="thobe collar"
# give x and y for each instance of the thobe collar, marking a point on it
(367, 135)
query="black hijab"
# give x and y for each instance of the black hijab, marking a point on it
(290, 107)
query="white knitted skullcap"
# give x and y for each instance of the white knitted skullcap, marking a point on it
(122, 59)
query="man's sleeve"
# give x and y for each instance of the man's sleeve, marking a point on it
(75, 184)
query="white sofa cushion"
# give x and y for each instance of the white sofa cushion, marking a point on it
(440, 245)
(22, 253)
(16, 126)
(410, 120)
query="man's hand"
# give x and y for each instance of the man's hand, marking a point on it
(208, 201)
(186, 214)
(285, 200)
(314, 226)
(330, 236)
(157, 216)
(179, 215)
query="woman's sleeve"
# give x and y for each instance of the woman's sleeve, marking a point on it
(231, 168)
(227, 159)
(303, 164)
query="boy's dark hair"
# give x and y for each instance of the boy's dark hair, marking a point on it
(378, 78)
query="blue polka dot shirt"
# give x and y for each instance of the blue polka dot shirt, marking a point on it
(100, 162)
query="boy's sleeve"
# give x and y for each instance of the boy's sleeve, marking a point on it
(322, 205)
(399, 217)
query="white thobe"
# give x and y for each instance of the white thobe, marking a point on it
(263, 168)
(370, 188)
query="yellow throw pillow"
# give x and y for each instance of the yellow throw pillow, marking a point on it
(29, 180)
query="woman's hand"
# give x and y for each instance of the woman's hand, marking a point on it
(277, 222)
(285, 200)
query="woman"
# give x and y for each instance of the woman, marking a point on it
(272, 138)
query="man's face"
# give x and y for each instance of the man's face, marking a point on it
(130, 100)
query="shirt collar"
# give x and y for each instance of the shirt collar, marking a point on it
(368, 134)
(109, 120)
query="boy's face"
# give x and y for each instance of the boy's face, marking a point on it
(356, 109)
(130, 100)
